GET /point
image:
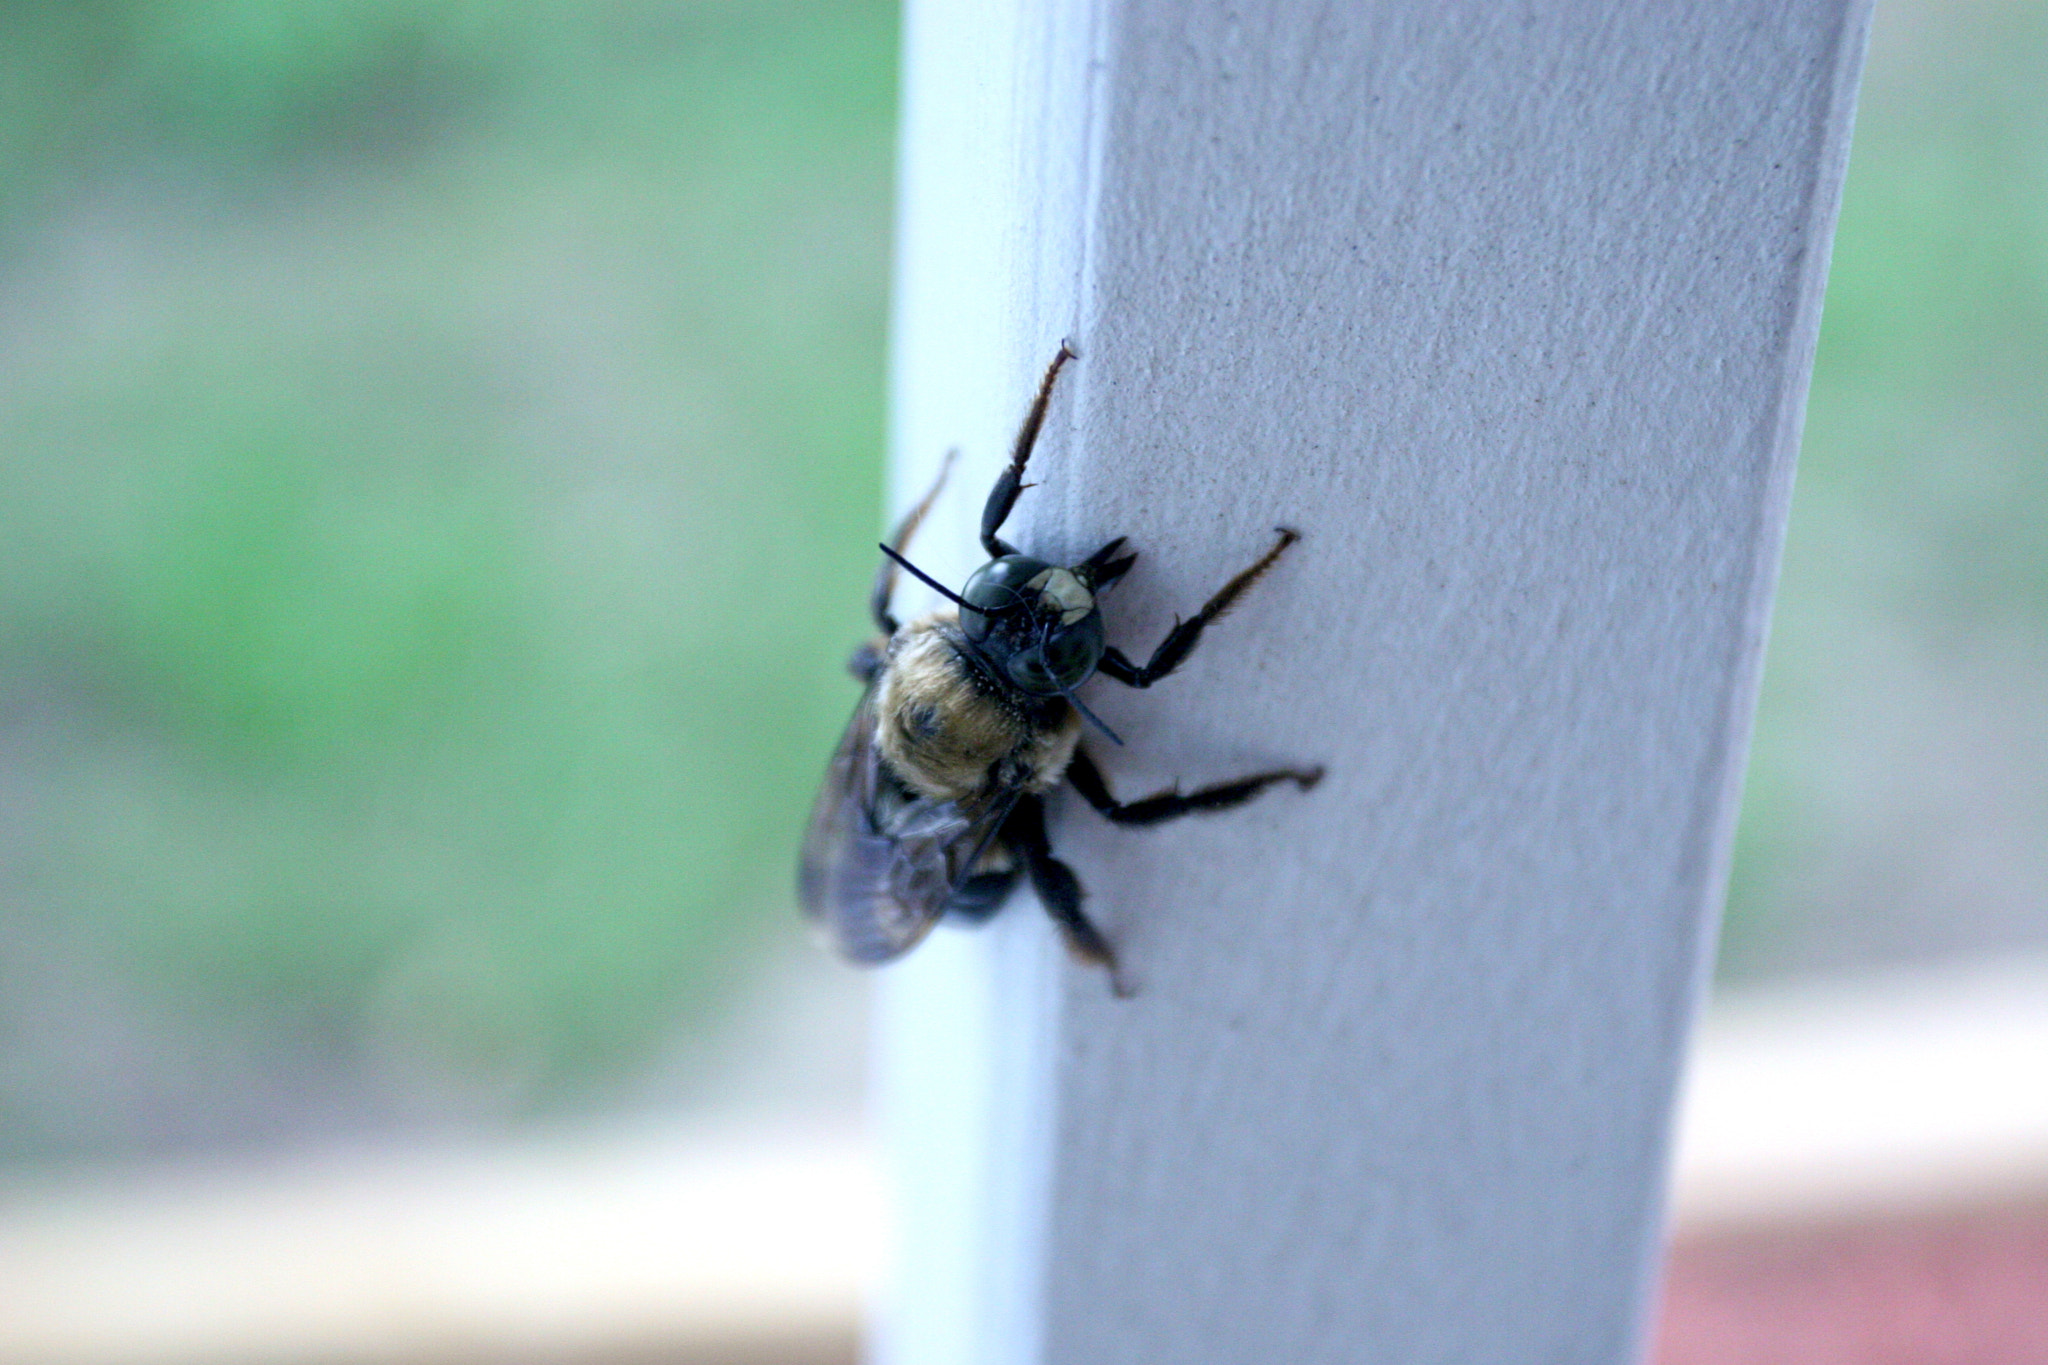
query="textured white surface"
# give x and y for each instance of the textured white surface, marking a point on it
(1509, 310)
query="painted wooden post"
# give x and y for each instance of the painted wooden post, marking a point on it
(1509, 309)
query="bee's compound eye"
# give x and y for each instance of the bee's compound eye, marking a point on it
(1071, 654)
(996, 588)
(1066, 659)
(1027, 669)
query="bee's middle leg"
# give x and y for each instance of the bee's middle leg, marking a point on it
(1172, 803)
(1059, 889)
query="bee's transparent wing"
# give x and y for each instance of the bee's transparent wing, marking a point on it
(880, 862)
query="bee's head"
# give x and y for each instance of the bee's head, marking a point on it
(1036, 623)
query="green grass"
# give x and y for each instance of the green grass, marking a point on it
(429, 523)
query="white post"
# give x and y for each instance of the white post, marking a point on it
(1509, 309)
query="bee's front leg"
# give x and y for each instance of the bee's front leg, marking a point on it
(1181, 640)
(1010, 482)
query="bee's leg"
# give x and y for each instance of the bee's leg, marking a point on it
(1171, 804)
(1181, 640)
(979, 897)
(1010, 482)
(868, 660)
(885, 576)
(1059, 889)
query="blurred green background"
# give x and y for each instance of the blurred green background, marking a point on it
(1896, 807)
(439, 461)
(441, 448)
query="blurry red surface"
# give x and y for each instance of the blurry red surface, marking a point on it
(1953, 1289)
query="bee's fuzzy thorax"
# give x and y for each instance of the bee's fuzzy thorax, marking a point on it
(949, 733)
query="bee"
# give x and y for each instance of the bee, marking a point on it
(934, 803)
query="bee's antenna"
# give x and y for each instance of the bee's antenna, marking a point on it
(925, 578)
(1114, 737)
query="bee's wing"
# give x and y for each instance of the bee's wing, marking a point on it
(880, 862)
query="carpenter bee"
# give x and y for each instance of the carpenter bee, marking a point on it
(934, 803)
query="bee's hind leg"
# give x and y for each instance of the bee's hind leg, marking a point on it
(885, 576)
(1059, 889)
(982, 894)
(1172, 803)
